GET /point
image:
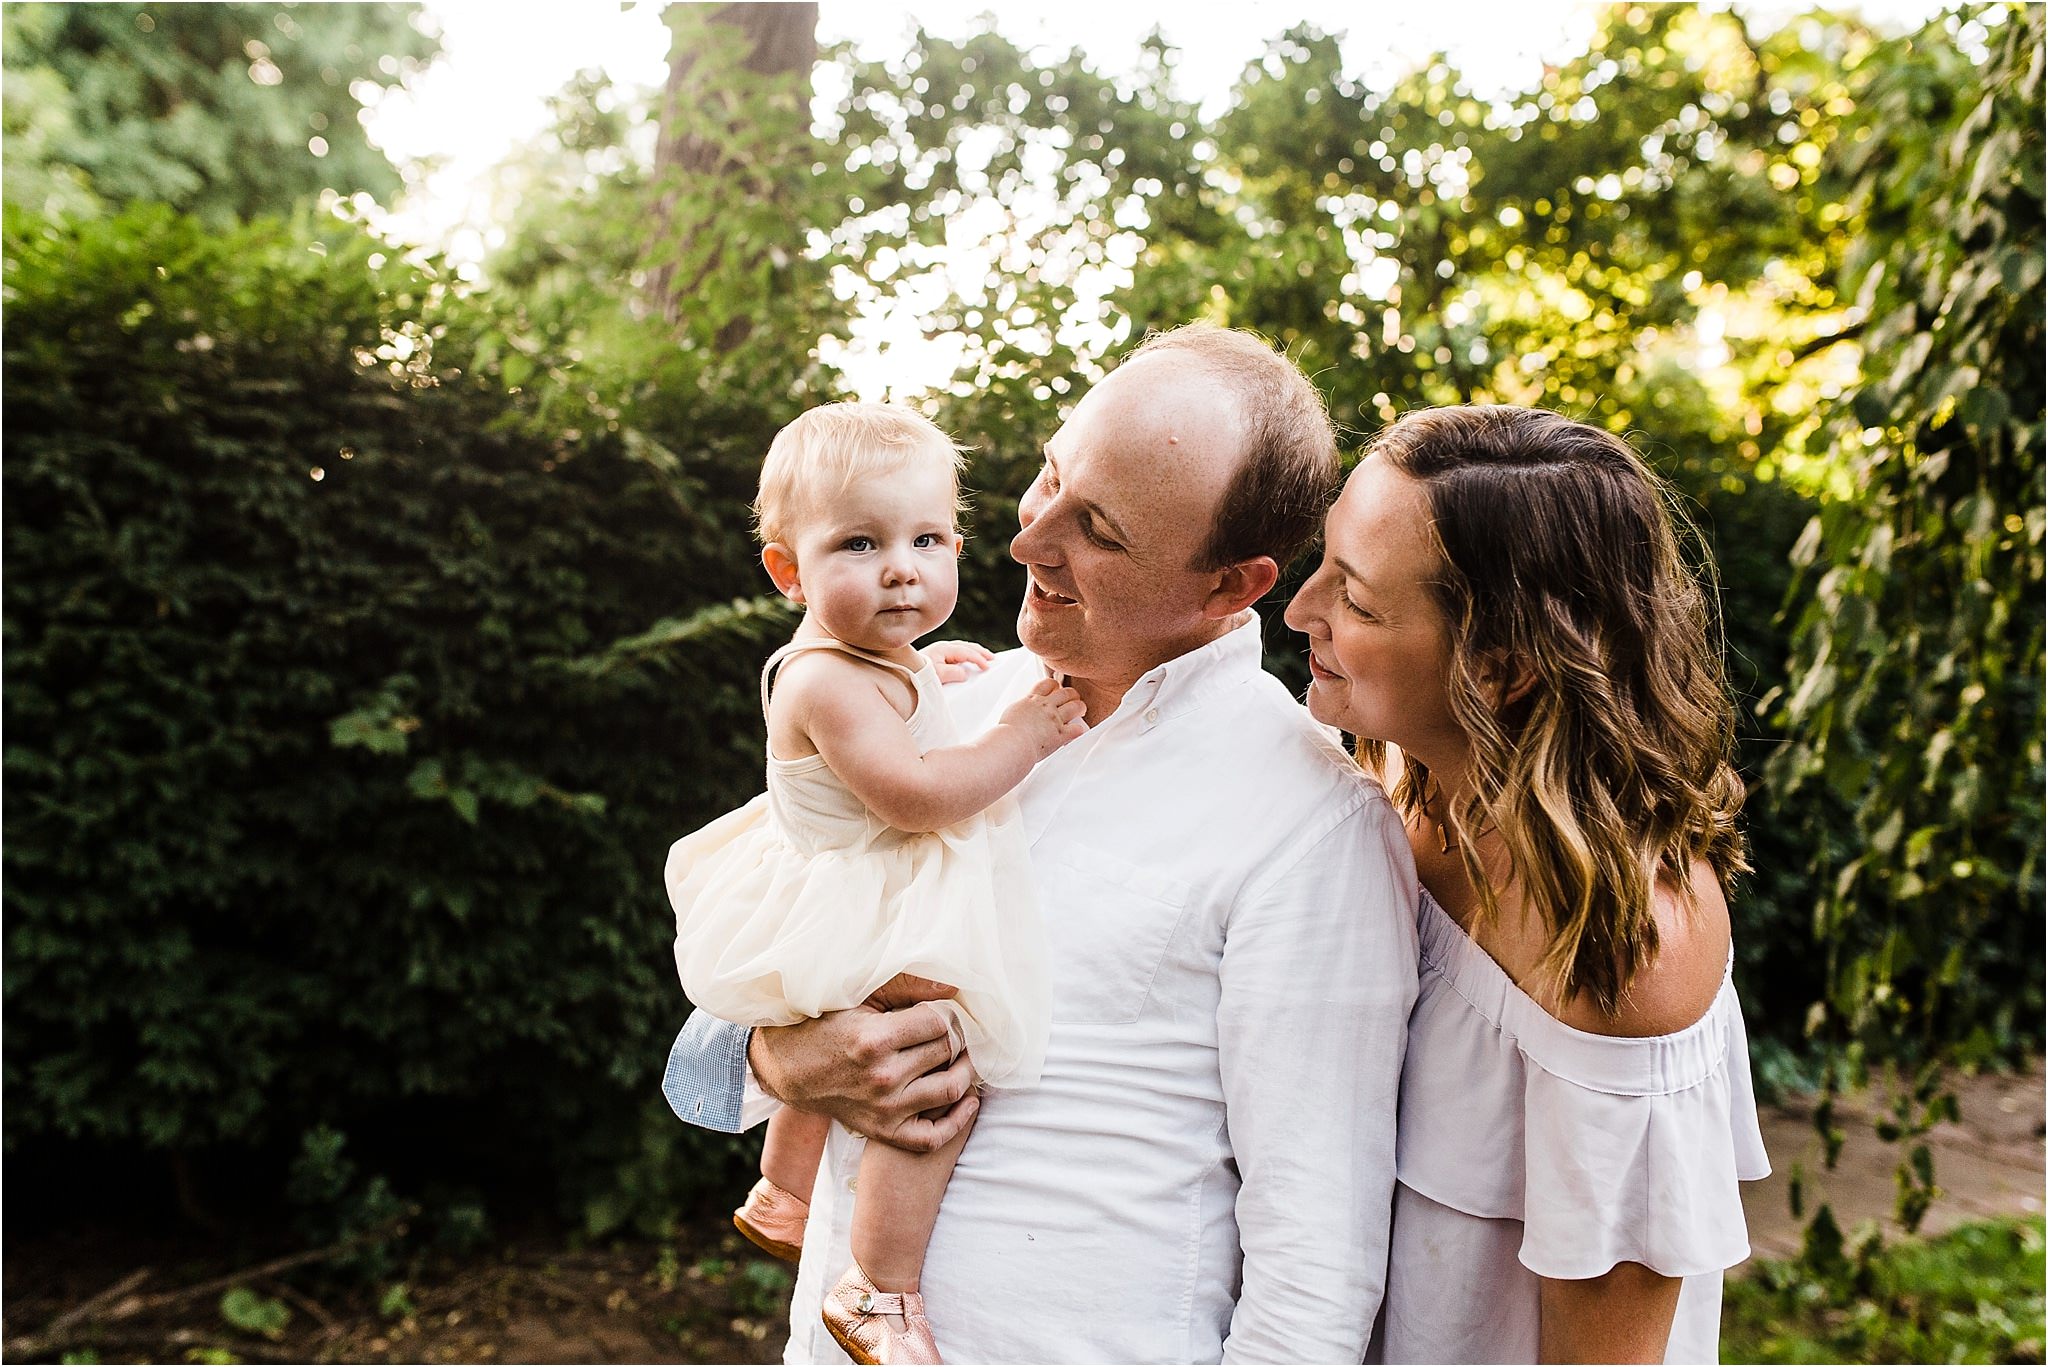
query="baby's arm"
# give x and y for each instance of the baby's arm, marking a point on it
(847, 716)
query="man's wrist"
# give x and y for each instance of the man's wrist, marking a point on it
(753, 1055)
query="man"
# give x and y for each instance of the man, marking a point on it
(1206, 1170)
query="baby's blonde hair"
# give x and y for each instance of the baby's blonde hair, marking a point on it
(820, 455)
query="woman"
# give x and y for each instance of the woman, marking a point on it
(1503, 619)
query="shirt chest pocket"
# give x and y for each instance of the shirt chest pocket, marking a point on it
(1109, 924)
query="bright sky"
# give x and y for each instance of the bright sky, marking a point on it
(502, 59)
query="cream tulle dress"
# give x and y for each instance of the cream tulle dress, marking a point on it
(804, 901)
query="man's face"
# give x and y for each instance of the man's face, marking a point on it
(1114, 523)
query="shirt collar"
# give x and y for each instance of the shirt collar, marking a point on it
(1187, 681)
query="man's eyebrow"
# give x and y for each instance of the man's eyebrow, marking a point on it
(1090, 505)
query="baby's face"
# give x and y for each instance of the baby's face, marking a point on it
(879, 568)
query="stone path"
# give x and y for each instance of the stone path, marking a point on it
(1988, 1163)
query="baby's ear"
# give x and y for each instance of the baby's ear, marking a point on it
(781, 566)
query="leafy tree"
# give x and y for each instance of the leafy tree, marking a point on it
(735, 119)
(226, 111)
(1915, 695)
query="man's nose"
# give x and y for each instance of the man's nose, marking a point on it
(1028, 545)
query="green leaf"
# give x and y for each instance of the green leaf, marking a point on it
(254, 1314)
(396, 1302)
(428, 779)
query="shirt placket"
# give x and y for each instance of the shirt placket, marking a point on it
(1045, 791)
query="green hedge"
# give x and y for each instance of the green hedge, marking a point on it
(311, 818)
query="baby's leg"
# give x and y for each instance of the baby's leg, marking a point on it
(895, 1208)
(795, 1144)
(898, 1198)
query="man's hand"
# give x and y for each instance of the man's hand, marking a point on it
(883, 1069)
(958, 661)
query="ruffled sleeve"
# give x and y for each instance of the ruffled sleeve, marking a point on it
(1630, 1149)
(1645, 1176)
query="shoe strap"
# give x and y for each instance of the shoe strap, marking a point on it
(871, 1302)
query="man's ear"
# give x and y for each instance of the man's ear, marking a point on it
(781, 567)
(1241, 585)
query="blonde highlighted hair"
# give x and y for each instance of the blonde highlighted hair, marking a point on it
(1558, 558)
(820, 455)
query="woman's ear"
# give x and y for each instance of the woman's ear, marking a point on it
(1506, 675)
(781, 567)
(1241, 585)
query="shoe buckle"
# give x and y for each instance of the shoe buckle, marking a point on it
(866, 1304)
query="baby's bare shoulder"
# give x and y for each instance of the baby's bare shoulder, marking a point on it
(830, 684)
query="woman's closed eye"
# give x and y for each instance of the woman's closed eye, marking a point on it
(1354, 609)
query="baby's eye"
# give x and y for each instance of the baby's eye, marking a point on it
(926, 541)
(860, 543)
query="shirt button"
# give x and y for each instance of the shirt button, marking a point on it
(1152, 714)
(853, 1184)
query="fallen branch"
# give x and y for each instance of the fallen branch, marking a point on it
(92, 1304)
(329, 1326)
(59, 1328)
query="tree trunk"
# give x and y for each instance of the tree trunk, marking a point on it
(779, 41)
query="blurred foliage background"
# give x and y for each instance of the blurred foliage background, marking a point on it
(368, 634)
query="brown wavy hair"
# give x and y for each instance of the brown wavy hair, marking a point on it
(1559, 554)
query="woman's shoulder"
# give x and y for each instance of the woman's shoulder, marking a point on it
(1679, 986)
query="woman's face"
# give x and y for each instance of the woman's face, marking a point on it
(1379, 647)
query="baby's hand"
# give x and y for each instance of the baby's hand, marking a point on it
(1049, 715)
(958, 661)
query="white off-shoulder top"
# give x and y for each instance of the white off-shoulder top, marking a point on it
(1530, 1149)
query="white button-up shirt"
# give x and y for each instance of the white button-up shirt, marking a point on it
(1206, 1170)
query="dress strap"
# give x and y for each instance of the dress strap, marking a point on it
(794, 648)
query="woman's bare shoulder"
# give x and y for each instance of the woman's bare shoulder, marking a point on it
(1679, 986)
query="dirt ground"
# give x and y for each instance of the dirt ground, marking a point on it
(706, 1297)
(709, 1296)
(1989, 1162)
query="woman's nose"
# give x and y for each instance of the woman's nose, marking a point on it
(1301, 612)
